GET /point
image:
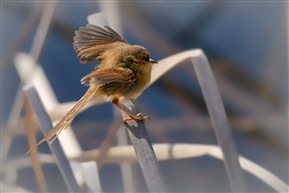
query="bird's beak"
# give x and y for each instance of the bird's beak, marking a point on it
(153, 61)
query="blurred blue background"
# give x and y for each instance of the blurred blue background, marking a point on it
(246, 44)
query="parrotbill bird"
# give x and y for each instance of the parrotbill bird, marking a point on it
(123, 73)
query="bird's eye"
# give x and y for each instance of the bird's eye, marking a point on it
(136, 62)
(132, 60)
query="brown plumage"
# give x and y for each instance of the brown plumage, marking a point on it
(123, 74)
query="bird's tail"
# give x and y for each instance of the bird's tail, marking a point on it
(68, 118)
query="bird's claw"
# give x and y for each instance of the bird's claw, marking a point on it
(137, 117)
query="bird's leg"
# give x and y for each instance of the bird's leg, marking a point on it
(137, 117)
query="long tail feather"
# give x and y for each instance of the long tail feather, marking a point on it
(68, 118)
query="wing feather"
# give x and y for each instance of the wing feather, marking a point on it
(92, 41)
(106, 76)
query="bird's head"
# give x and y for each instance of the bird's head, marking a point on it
(137, 56)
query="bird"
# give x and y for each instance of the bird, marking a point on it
(123, 73)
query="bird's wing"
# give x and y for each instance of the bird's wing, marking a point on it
(91, 41)
(105, 76)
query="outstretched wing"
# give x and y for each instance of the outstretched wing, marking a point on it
(91, 41)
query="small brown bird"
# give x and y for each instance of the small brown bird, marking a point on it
(123, 74)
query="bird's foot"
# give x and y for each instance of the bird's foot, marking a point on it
(137, 117)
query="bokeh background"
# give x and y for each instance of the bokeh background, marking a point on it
(247, 47)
